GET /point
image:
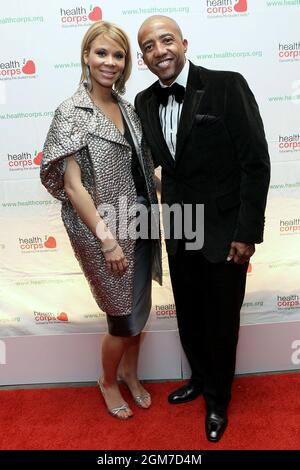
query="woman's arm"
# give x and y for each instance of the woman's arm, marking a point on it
(85, 208)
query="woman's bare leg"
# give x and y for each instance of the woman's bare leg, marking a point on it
(113, 349)
(128, 371)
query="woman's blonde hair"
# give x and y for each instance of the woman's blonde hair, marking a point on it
(109, 31)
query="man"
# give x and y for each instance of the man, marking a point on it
(219, 158)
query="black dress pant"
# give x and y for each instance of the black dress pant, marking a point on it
(208, 298)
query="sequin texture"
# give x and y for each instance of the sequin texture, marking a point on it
(80, 129)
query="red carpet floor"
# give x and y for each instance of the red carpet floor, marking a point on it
(264, 414)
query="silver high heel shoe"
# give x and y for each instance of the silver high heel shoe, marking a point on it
(140, 400)
(114, 411)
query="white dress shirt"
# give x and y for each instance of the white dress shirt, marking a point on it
(169, 115)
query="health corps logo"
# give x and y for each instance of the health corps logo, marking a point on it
(289, 52)
(165, 311)
(16, 69)
(289, 227)
(289, 143)
(226, 7)
(287, 302)
(49, 317)
(24, 161)
(80, 16)
(37, 244)
(140, 62)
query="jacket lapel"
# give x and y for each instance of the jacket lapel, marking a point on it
(155, 129)
(104, 128)
(132, 120)
(193, 96)
(99, 125)
(135, 128)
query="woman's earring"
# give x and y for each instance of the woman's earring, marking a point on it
(88, 78)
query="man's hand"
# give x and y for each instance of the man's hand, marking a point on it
(240, 252)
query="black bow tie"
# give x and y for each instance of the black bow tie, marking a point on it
(163, 94)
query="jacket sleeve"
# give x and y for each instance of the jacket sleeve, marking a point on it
(247, 133)
(64, 138)
(138, 104)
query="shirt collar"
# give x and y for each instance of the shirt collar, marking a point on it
(182, 77)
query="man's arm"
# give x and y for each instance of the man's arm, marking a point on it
(246, 129)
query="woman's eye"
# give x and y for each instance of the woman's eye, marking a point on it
(101, 53)
(120, 56)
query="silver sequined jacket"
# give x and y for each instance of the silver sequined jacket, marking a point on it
(80, 129)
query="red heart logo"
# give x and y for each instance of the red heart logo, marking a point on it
(29, 67)
(50, 242)
(249, 270)
(240, 6)
(62, 317)
(37, 160)
(96, 14)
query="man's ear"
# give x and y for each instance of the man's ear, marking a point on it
(185, 44)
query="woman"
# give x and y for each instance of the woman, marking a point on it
(94, 159)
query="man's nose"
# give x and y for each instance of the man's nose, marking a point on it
(159, 50)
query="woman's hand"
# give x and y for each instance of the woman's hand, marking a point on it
(116, 262)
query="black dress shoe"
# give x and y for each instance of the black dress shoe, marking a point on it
(215, 425)
(188, 392)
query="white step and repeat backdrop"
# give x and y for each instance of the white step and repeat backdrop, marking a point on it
(43, 291)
